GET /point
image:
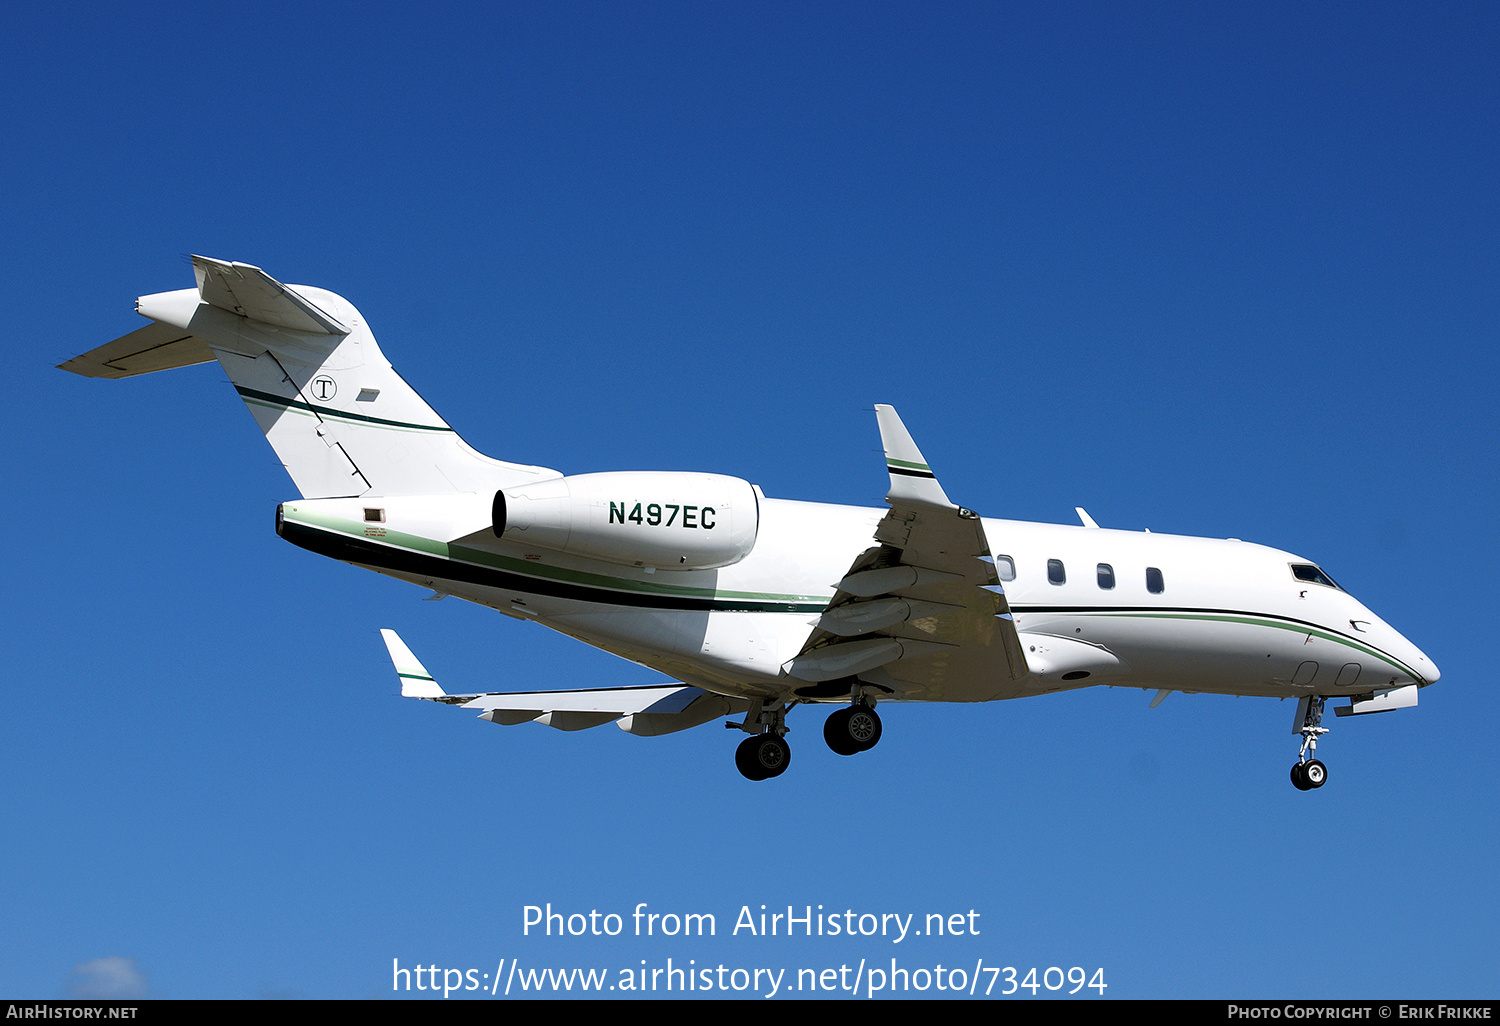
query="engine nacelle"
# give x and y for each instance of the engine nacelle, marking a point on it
(658, 519)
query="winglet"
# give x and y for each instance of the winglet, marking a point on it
(912, 480)
(416, 682)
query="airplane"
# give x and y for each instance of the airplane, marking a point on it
(753, 605)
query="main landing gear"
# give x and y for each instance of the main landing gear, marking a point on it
(1307, 771)
(765, 753)
(852, 729)
(762, 757)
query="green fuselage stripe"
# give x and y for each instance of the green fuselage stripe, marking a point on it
(1229, 616)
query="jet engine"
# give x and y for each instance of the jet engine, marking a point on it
(657, 519)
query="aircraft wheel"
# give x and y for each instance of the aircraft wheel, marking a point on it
(762, 757)
(1299, 777)
(1315, 773)
(836, 732)
(744, 759)
(864, 727)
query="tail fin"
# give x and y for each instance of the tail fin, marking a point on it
(341, 419)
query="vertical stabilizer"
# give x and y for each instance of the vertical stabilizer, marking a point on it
(340, 418)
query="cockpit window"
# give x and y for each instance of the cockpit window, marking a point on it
(1312, 575)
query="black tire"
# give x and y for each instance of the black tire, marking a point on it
(1299, 777)
(1315, 773)
(836, 732)
(745, 760)
(762, 757)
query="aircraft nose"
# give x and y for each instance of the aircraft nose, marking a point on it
(1423, 668)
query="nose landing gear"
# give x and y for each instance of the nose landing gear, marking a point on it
(1307, 772)
(1308, 775)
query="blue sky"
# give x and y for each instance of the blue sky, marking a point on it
(1208, 269)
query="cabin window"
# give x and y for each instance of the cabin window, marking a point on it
(1312, 575)
(1154, 584)
(1055, 572)
(1106, 576)
(1005, 567)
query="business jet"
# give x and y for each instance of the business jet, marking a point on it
(753, 605)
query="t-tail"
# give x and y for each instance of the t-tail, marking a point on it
(340, 418)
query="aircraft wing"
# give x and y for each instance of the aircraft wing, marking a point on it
(921, 614)
(646, 710)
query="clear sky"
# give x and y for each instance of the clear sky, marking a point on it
(1225, 270)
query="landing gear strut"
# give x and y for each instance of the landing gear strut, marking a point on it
(765, 753)
(1307, 771)
(852, 729)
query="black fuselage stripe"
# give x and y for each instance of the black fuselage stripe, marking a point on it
(385, 557)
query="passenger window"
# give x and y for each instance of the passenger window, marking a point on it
(1106, 576)
(1154, 584)
(1055, 572)
(1005, 567)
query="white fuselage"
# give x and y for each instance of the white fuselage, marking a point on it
(1225, 616)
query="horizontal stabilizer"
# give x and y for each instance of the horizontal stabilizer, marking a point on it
(250, 292)
(156, 347)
